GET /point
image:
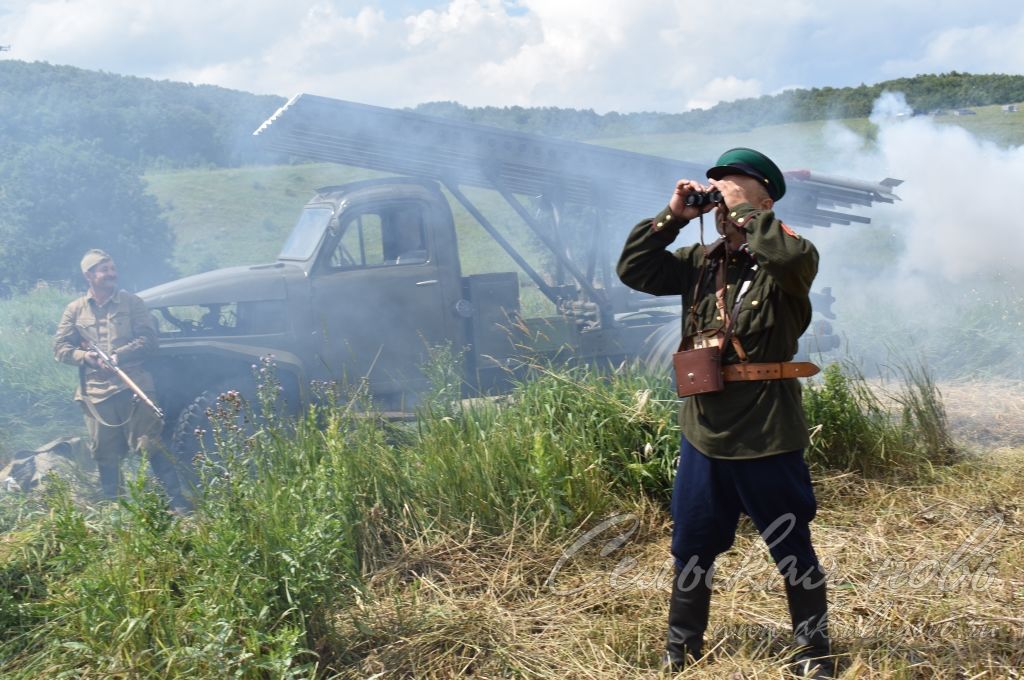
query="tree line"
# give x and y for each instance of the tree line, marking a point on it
(925, 93)
(141, 121)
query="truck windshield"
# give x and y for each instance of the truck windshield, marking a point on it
(306, 235)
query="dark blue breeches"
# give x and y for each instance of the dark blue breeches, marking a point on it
(774, 491)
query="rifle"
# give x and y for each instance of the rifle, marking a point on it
(112, 365)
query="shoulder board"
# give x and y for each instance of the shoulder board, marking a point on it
(789, 231)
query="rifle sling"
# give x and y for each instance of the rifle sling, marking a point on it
(91, 408)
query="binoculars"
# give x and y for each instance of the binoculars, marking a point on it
(702, 198)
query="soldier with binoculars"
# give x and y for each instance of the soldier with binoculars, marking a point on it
(746, 303)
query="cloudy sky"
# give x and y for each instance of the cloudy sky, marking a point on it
(663, 55)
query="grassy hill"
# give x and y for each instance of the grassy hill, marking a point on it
(803, 144)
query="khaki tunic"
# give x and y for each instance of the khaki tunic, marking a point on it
(749, 419)
(122, 325)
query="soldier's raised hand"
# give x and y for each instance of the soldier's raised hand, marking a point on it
(677, 204)
(737, 189)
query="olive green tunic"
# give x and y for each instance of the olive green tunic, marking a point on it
(749, 419)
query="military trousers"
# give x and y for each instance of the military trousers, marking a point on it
(126, 426)
(775, 492)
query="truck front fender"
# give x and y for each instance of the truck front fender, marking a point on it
(186, 368)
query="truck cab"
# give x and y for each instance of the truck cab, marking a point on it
(384, 279)
(368, 282)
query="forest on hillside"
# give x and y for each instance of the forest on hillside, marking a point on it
(73, 146)
(141, 121)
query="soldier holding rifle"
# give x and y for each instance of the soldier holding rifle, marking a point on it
(108, 333)
(745, 305)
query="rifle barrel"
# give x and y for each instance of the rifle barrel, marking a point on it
(126, 380)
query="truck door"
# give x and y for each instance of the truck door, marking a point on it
(377, 296)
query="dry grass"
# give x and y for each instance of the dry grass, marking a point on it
(926, 583)
(982, 414)
(986, 413)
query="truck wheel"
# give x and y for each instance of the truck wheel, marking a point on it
(193, 430)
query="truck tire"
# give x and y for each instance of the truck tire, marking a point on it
(185, 442)
(193, 431)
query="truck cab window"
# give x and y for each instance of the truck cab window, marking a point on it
(392, 235)
(360, 244)
(404, 240)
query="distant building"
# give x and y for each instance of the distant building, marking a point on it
(964, 112)
(1010, 108)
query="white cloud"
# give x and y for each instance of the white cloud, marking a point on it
(460, 18)
(140, 38)
(723, 90)
(987, 48)
(662, 55)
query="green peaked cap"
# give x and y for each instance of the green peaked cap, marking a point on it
(754, 164)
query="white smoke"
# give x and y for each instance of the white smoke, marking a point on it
(888, 106)
(957, 217)
(941, 265)
(959, 199)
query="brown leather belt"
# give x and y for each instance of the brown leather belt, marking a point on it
(776, 370)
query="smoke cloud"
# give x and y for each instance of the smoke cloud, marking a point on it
(938, 274)
(957, 217)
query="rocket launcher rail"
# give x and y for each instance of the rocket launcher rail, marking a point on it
(565, 172)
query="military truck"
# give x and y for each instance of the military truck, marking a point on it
(371, 279)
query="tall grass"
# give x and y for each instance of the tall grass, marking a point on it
(291, 519)
(35, 391)
(266, 576)
(564, 445)
(856, 427)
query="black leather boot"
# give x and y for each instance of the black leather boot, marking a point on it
(808, 610)
(687, 619)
